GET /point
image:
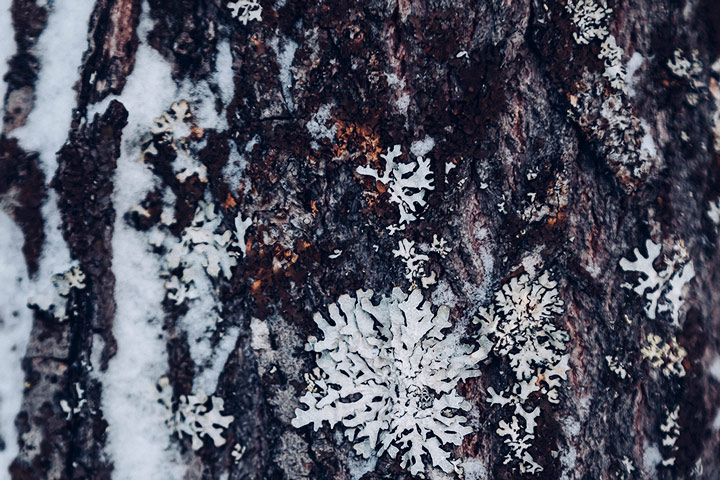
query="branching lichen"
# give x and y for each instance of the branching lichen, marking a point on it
(388, 374)
(406, 182)
(663, 290)
(518, 325)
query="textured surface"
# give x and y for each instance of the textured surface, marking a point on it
(551, 149)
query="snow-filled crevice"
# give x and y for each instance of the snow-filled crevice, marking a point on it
(59, 51)
(15, 324)
(7, 48)
(143, 448)
(139, 441)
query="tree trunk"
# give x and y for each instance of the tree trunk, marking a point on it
(190, 189)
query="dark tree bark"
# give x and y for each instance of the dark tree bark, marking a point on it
(561, 137)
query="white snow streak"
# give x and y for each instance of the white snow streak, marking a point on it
(15, 324)
(60, 49)
(7, 47)
(138, 438)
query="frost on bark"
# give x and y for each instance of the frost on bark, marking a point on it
(198, 183)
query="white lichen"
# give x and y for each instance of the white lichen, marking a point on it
(407, 183)
(518, 326)
(667, 357)
(195, 419)
(246, 10)
(616, 366)
(615, 70)
(416, 265)
(388, 374)
(589, 18)
(64, 282)
(691, 70)
(663, 290)
(671, 432)
(439, 246)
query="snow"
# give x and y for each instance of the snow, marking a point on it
(420, 148)
(632, 67)
(15, 324)
(7, 47)
(224, 74)
(138, 437)
(60, 49)
(285, 58)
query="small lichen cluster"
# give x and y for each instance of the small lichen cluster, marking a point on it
(416, 265)
(518, 325)
(663, 290)
(246, 10)
(176, 130)
(671, 432)
(624, 139)
(667, 357)
(690, 69)
(388, 374)
(406, 182)
(195, 419)
(616, 366)
(589, 18)
(64, 283)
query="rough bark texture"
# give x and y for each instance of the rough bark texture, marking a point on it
(525, 168)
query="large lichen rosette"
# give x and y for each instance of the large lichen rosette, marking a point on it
(388, 373)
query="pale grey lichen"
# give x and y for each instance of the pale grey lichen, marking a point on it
(388, 374)
(246, 10)
(406, 182)
(667, 357)
(518, 326)
(195, 419)
(663, 290)
(589, 18)
(416, 265)
(671, 432)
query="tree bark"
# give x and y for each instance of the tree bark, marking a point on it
(544, 159)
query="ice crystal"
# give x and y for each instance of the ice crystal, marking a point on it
(194, 419)
(246, 10)
(663, 290)
(518, 325)
(406, 182)
(666, 356)
(388, 374)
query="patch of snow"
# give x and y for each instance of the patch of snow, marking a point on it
(317, 126)
(7, 47)
(651, 459)
(474, 469)
(260, 335)
(714, 369)
(632, 67)
(224, 73)
(234, 170)
(15, 324)
(60, 49)
(138, 436)
(420, 148)
(285, 56)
